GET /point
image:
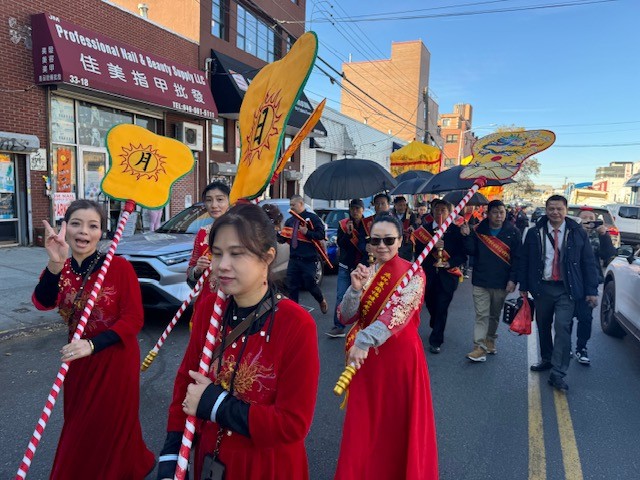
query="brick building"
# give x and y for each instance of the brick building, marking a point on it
(68, 76)
(400, 83)
(236, 39)
(454, 128)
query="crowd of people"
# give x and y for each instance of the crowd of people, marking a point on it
(255, 407)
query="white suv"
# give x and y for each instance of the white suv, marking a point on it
(627, 218)
(620, 309)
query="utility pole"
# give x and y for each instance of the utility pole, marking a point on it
(425, 99)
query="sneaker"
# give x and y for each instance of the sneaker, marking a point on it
(478, 355)
(491, 346)
(335, 332)
(582, 357)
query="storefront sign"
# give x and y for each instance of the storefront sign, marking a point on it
(61, 202)
(18, 143)
(66, 53)
(64, 165)
(38, 161)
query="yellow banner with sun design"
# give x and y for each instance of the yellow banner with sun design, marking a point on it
(144, 166)
(265, 111)
(499, 156)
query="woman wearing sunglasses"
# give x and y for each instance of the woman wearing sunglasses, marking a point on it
(392, 383)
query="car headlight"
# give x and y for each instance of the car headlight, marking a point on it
(175, 258)
(333, 239)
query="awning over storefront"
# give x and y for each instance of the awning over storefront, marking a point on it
(634, 181)
(18, 142)
(230, 78)
(70, 54)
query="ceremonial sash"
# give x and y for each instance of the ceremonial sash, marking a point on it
(316, 243)
(496, 246)
(354, 233)
(367, 222)
(424, 237)
(377, 295)
(287, 232)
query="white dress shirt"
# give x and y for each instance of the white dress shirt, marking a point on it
(548, 258)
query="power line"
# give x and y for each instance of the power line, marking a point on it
(458, 14)
(604, 145)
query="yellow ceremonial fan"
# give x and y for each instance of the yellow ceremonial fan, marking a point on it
(144, 165)
(264, 113)
(499, 156)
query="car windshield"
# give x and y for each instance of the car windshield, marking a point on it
(189, 220)
(333, 217)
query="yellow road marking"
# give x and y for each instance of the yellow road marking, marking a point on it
(537, 455)
(570, 454)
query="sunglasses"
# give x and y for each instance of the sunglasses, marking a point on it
(388, 241)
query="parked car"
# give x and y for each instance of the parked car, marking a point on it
(603, 214)
(627, 218)
(620, 308)
(537, 213)
(332, 218)
(160, 258)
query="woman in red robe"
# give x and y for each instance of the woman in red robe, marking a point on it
(101, 437)
(260, 394)
(216, 199)
(389, 429)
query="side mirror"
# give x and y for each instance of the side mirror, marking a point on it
(625, 251)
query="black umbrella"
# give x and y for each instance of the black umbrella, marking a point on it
(455, 197)
(449, 180)
(411, 174)
(409, 187)
(348, 178)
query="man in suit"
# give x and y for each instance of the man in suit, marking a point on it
(442, 270)
(303, 256)
(558, 267)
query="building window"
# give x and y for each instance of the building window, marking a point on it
(449, 162)
(217, 18)
(255, 36)
(452, 138)
(446, 122)
(218, 131)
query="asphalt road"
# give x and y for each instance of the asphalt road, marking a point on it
(495, 420)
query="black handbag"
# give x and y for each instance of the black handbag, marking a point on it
(511, 307)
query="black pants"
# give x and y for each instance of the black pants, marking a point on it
(440, 289)
(584, 314)
(301, 273)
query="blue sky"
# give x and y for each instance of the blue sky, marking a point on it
(573, 70)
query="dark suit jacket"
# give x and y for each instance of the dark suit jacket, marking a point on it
(453, 244)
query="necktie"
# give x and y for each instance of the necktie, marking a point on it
(555, 268)
(294, 237)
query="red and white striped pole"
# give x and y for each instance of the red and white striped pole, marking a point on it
(203, 368)
(151, 356)
(346, 376)
(64, 368)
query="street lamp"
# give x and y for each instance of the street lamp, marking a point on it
(461, 139)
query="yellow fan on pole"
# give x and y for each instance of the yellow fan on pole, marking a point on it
(265, 110)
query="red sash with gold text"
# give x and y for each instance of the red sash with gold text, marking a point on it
(496, 246)
(377, 294)
(424, 237)
(287, 232)
(354, 232)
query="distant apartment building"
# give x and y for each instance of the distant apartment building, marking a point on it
(400, 83)
(455, 131)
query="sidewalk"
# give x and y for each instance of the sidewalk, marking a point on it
(20, 268)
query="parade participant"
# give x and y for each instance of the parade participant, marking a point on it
(256, 405)
(603, 251)
(275, 215)
(352, 244)
(389, 428)
(558, 267)
(522, 220)
(495, 245)
(401, 211)
(422, 210)
(303, 256)
(442, 268)
(215, 197)
(381, 203)
(101, 436)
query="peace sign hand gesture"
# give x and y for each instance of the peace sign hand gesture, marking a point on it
(56, 246)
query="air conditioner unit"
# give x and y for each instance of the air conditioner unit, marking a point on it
(190, 134)
(292, 175)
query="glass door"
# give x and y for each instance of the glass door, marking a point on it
(91, 171)
(9, 221)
